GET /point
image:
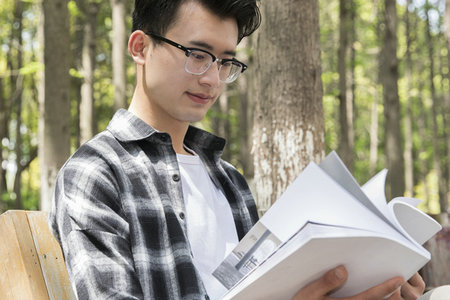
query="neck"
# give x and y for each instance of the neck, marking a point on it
(142, 108)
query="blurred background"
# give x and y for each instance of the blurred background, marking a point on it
(369, 79)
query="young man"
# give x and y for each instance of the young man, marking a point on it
(147, 209)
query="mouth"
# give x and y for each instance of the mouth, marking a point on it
(199, 97)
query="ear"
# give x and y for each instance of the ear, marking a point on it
(137, 45)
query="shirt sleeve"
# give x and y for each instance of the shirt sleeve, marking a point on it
(91, 227)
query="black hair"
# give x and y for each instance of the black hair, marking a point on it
(156, 16)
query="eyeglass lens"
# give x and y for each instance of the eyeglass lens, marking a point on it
(198, 62)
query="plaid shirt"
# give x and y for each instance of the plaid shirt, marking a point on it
(119, 215)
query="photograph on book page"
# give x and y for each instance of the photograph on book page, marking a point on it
(255, 247)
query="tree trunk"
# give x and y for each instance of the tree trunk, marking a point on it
(435, 108)
(422, 126)
(3, 128)
(221, 123)
(88, 61)
(345, 58)
(373, 155)
(389, 80)
(245, 128)
(118, 53)
(54, 104)
(17, 100)
(408, 155)
(447, 96)
(224, 104)
(77, 81)
(18, 143)
(374, 117)
(289, 125)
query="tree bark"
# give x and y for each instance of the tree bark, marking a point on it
(288, 125)
(422, 126)
(435, 108)
(119, 52)
(54, 104)
(87, 123)
(246, 125)
(346, 58)
(374, 117)
(373, 154)
(220, 122)
(447, 97)
(408, 154)
(76, 81)
(389, 80)
(3, 128)
(17, 83)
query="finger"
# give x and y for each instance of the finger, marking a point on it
(409, 292)
(414, 288)
(396, 295)
(417, 281)
(324, 285)
(382, 290)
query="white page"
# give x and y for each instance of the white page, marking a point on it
(413, 223)
(315, 197)
(419, 226)
(375, 190)
(369, 259)
(337, 170)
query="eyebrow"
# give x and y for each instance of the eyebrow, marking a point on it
(210, 48)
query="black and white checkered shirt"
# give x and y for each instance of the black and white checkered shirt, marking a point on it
(119, 215)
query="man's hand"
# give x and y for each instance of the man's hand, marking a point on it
(413, 288)
(333, 279)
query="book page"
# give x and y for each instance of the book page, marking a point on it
(315, 197)
(337, 170)
(413, 223)
(312, 197)
(419, 226)
(370, 259)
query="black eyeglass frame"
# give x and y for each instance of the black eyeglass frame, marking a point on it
(188, 51)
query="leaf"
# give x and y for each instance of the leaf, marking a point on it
(31, 68)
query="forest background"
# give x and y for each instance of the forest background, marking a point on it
(351, 37)
(384, 91)
(369, 79)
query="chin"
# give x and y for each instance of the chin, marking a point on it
(192, 118)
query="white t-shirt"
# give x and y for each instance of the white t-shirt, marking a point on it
(210, 225)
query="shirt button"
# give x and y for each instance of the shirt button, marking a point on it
(181, 215)
(176, 177)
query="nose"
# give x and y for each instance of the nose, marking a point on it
(211, 76)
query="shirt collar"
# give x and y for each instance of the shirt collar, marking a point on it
(127, 127)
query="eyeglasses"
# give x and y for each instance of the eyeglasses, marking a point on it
(199, 61)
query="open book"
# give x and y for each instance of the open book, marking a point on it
(325, 219)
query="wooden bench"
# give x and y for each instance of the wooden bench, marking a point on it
(31, 262)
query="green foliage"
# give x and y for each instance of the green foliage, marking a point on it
(368, 90)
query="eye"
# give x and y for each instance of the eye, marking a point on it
(227, 65)
(199, 56)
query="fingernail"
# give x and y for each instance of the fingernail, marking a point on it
(339, 273)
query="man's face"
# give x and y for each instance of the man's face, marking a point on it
(174, 94)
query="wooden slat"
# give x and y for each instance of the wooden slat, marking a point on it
(11, 264)
(20, 268)
(50, 257)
